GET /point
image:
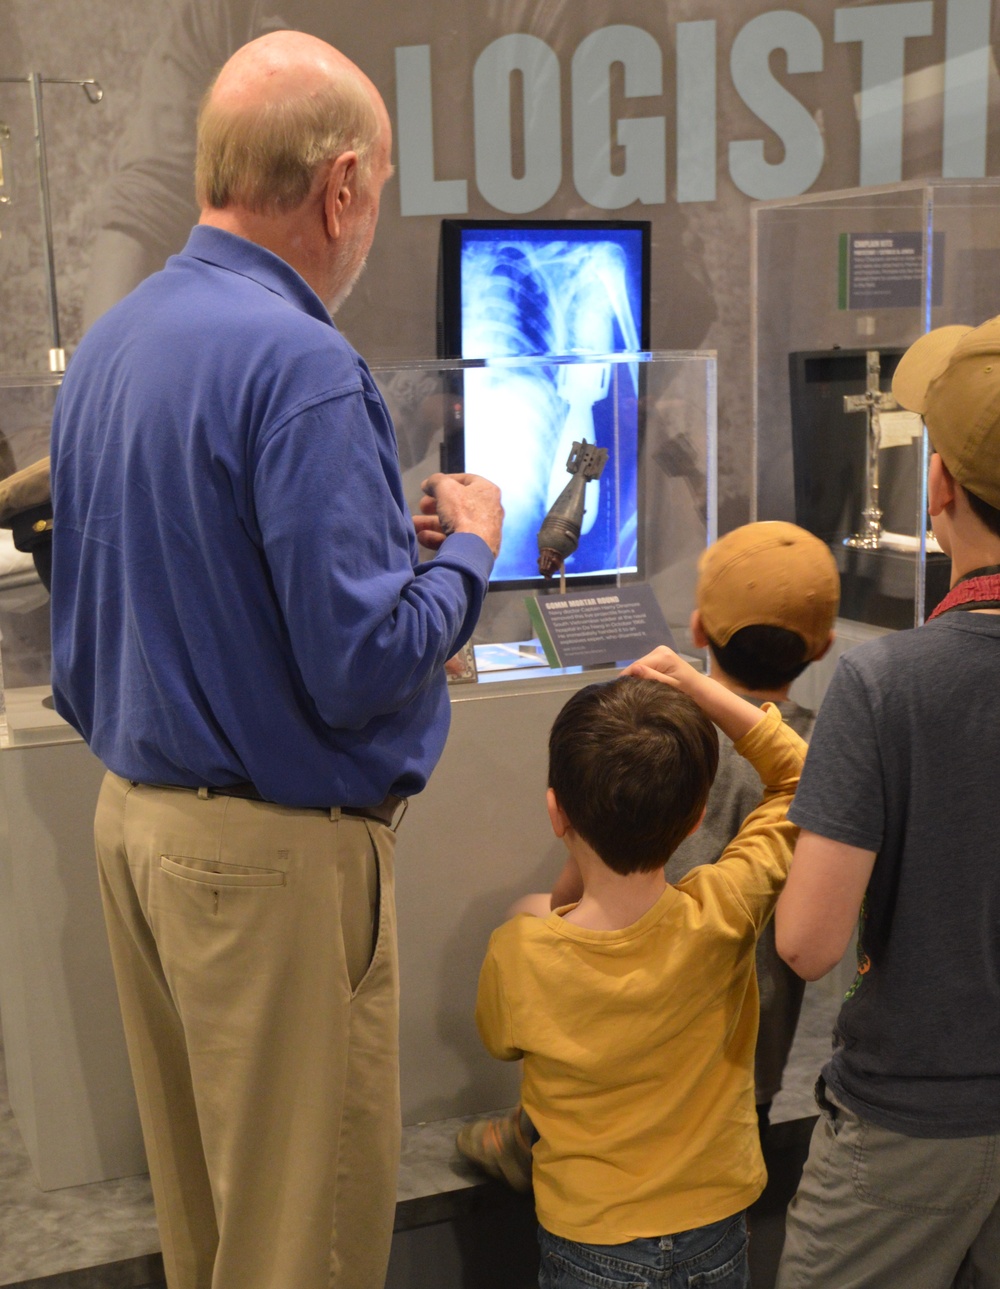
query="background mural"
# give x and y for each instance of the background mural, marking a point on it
(680, 114)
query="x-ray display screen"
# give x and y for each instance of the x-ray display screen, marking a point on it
(560, 289)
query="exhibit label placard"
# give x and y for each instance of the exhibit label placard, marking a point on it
(886, 270)
(602, 625)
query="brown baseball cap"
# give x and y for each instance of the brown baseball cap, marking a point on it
(770, 574)
(951, 376)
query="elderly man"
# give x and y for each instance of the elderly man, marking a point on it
(243, 633)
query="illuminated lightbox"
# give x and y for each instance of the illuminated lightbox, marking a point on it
(565, 289)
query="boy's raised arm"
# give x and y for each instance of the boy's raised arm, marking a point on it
(733, 715)
(755, 863)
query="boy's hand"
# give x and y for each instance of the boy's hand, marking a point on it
(666, 666)
(733, 714)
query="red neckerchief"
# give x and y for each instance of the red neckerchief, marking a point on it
(980, 589)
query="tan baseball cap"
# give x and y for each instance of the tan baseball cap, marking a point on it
(951, 376)
(770, 574)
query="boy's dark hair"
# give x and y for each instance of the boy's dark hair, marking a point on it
(762, 657)
(984, 512)
(631, 763)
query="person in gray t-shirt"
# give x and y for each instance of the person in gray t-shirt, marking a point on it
(899, 817)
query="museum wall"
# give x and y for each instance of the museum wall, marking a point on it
(681, 114)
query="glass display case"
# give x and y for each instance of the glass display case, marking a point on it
(842, 284)
(516, 420)
(26, 714)
(645, 520)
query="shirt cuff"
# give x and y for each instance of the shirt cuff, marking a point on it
(468, 551)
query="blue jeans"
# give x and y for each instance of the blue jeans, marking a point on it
(708, 1257)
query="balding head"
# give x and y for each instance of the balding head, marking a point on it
(281, 107)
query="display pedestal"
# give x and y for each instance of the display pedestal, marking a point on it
(473, 841)
(476, 839)
(876, 586)
(70, 1086)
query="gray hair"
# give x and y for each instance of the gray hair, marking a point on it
(265, 158)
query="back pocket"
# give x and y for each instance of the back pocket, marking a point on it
(212, 872)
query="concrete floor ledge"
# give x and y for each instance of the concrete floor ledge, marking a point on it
(132, 1273)
(453, 1230)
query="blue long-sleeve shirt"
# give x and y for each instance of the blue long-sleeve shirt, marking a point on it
(236, 590)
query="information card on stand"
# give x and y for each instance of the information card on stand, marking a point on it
(601, 625)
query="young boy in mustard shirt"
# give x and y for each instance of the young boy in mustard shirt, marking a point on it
(635, 1009)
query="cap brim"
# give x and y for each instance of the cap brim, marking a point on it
(922, 363)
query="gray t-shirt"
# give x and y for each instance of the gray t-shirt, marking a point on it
(737, 791)
(905, 761)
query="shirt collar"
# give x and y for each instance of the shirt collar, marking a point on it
(238, 255)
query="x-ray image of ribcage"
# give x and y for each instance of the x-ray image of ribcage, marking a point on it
(508, 310)
(560, 298)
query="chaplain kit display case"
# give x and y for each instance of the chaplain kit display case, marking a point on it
(478, 836)
(842, 284)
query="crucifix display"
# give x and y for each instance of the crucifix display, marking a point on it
(874, 402)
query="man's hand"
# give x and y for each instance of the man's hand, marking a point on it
(459, 503)
(428, 528)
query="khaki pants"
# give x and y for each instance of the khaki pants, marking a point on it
(877, 1210)
(261, 1016)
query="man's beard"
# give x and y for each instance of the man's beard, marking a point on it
(356, 266)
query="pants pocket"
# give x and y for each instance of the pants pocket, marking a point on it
(212, 872)
(920, 1175)
(567, 1264)
(575, 1272)
(734, 1274)
(382, 909)
(724, 1265)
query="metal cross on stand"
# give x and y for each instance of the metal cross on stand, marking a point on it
(874, 402)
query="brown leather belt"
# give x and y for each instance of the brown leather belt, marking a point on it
(389, 811)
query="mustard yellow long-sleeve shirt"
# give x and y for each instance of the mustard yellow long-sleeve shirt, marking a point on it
(638, 1044)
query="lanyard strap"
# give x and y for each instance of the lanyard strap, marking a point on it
(980, 588)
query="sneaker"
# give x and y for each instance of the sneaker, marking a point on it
(501, 1147)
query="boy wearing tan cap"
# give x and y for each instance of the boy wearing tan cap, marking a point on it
(766, 602)
(898, 808)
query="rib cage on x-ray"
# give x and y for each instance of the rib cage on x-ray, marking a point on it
(509, 308)
(556, 297)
